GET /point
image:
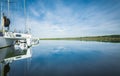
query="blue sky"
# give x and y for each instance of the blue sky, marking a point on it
(67, 18)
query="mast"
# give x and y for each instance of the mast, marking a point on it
(8, 7)
(1, 12)
(2, 20)
(25, 16)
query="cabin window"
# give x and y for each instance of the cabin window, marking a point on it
(17, 35)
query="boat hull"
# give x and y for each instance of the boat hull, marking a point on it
(10, 38)
(5, 42)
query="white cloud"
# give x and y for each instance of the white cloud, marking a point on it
(72, 20)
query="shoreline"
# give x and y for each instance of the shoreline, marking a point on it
(105, 38)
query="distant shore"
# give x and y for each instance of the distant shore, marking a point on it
(105, 38)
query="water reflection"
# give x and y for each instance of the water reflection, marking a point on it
(75, 58)
(6, 69)
(62, 58)
(9, 55)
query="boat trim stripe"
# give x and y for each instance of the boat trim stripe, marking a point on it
(5, 46)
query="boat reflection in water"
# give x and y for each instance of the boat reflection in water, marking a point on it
(11, 54)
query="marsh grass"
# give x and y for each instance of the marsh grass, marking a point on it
(106, 38)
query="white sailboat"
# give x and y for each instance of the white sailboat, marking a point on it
(10, 38)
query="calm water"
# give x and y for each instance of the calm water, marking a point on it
(65, 58)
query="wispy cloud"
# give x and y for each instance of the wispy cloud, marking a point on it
(67, 18)
(34, 12)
